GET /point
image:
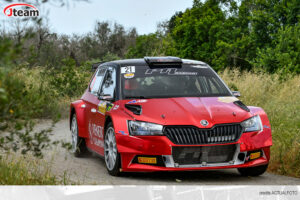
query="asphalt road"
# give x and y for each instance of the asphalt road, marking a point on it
(91, 170)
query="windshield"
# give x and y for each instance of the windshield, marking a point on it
(187, 81)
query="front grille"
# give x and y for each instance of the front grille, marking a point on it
(184, 135)
(207, 154)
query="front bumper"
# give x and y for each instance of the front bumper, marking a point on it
(131, 146)
(148, 168)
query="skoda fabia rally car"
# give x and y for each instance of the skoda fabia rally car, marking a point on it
(168, 114)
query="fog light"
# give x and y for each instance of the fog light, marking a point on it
(241, 156)
(147, 160)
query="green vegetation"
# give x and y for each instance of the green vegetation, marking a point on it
(28, 171)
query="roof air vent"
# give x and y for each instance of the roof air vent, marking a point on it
(163, 62)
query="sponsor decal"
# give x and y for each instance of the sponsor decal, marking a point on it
(147, 160)
(137, 101)
(122, 132)
(169, 71)
(128, 70)
(265, 126)
(116, 107)
(90, 131)
(227, 99)
(21, 10)
(133, 101)
(96, 134)
(186, 73)
(109, 107)
(131, 75)
(102, 107)
(141, 101)
(255, 155)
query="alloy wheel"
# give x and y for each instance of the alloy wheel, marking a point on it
(110, 148)
(74, 134)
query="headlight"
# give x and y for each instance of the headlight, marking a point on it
(144, 128)
(252, 124)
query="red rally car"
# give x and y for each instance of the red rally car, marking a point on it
(168, 114)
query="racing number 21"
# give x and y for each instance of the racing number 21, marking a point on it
(128, 69)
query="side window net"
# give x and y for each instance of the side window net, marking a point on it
(109, 84)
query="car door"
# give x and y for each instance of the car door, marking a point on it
(91, 101)
(106, 94)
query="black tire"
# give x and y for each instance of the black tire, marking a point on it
(253, 171)
(81, 148)
(113, 170)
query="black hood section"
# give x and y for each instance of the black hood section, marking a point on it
(136, 109)
(241, 105)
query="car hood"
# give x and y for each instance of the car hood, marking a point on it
(189, 111)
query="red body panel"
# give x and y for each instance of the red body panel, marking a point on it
(147, 168)
(81, 116)
(169, 111)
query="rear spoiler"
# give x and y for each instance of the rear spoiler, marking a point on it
(160, 62)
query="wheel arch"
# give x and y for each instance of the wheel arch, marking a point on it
(108, 119)
(72, 112)
(78, 108)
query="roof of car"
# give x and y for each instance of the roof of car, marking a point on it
(141, 61)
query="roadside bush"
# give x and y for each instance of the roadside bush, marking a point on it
(19, 103)
(68, 80)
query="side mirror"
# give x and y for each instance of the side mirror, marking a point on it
(236, 93)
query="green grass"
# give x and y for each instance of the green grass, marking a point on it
(18, 170)
(281, 101)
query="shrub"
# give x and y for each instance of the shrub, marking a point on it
(19, 103)
(68, 80)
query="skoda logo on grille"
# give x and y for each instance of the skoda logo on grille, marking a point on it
(204, 122)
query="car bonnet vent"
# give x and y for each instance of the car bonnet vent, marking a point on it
(136, 109)
(241, 105)
(163, 62)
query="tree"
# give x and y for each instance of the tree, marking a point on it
(284, 55)
(196, 32)
(224, 33)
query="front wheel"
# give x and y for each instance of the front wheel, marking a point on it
(111, 155)
(253, 171)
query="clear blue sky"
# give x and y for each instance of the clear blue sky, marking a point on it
(142, 14)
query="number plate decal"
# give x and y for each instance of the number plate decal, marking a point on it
(128, 70)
